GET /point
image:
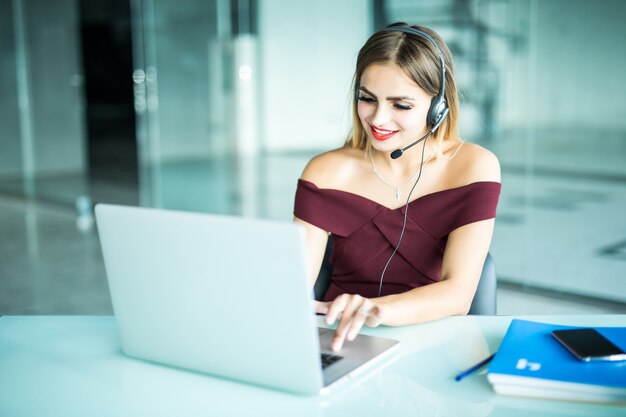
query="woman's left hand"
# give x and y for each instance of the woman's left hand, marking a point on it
(353, 311)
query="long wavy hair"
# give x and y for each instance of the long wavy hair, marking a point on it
(419, 59)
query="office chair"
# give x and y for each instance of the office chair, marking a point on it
(484, 302)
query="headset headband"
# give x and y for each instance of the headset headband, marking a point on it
(442, 64)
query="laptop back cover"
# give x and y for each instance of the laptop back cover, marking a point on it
(217, 294)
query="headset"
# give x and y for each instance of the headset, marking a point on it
(438, 109)
(437, 113)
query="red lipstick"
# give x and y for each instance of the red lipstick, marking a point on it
(382, 134)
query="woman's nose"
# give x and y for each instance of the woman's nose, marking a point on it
(380, 115)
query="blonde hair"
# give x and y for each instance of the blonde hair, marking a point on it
(419, 59)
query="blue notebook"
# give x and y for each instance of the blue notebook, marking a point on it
(532, 363)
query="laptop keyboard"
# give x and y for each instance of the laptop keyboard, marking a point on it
(328, 359)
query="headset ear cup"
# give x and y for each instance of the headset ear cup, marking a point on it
(436, 110)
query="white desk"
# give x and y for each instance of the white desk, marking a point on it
(73, 366)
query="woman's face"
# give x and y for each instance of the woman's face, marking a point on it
(392, 107)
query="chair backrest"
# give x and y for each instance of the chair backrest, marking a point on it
(326, 271)
(484, 302)
(485, 299)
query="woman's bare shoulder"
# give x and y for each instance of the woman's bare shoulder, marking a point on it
(333, 168)
(473, 163)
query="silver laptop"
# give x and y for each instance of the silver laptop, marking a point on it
(222, 295)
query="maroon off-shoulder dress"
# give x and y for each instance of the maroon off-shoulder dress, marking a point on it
(365, 234)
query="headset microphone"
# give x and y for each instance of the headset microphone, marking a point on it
(398, 152)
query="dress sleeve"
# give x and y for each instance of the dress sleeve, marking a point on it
(475, 203)
(335, 211)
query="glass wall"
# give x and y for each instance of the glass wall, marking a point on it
(42, 116)
(10, 144)
(231, 99)
(183, 99)
(222, 87)
(544, 91)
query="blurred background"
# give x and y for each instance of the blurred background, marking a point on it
(217, 105)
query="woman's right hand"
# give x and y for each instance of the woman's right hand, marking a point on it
(352, 312)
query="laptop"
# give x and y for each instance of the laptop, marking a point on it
(223, 295)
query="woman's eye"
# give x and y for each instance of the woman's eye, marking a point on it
(402, 107)
(366, 99)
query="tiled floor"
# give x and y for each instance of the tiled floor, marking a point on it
(48, 265)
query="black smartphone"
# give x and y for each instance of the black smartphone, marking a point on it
(589, 345)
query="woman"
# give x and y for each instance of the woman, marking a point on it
(411, 225)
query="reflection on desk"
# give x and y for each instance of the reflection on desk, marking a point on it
(73, 366)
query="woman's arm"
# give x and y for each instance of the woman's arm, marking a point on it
(462, 265)
(461, 268)
(316, 240)
(463, 260)
(325, 170)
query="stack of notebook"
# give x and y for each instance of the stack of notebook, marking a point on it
(531, 362)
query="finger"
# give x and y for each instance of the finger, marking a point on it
(358, 320)
(353, 303)
(338, 340)
(347, 317)
(367, 313)
(336, 308)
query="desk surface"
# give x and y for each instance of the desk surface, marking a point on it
(73, 366)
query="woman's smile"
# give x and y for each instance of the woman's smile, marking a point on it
(382, 134)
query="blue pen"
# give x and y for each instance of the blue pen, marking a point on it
(474, 368)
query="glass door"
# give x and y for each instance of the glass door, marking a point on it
(42, 142)
(187, 74)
